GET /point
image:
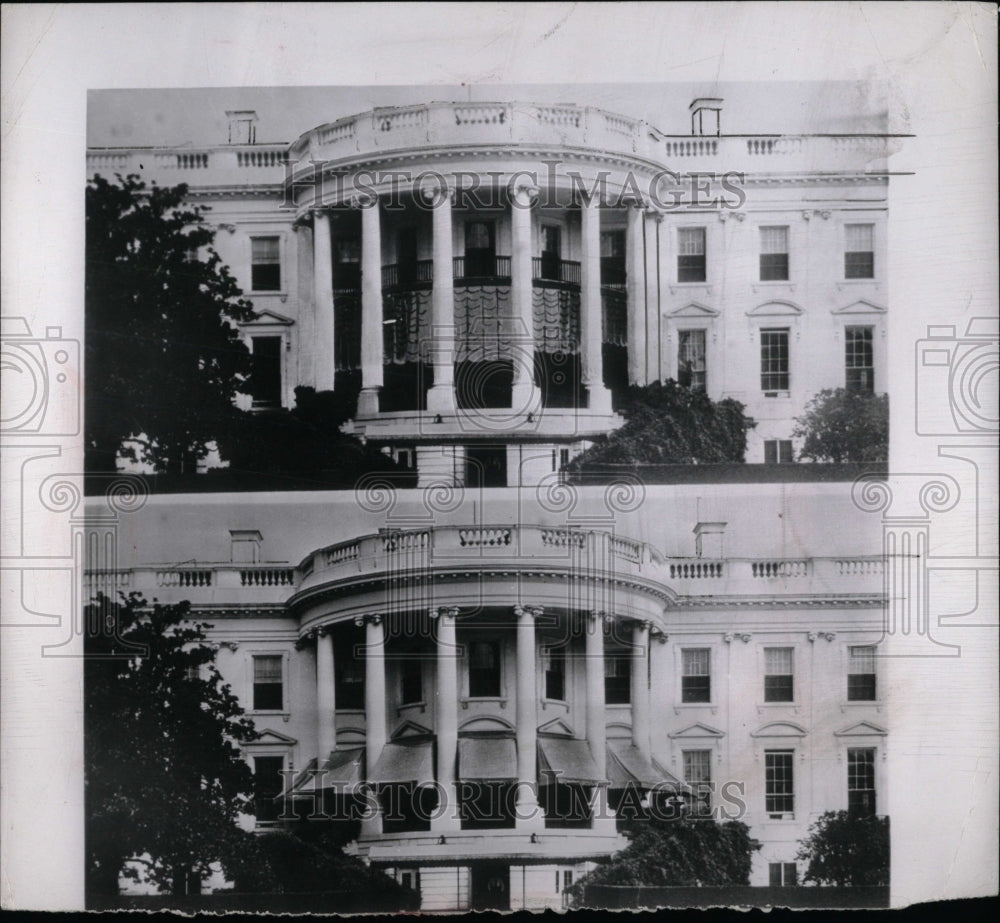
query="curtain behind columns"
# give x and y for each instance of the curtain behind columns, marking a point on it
(556, 320)
(408, 316)
(347, 324)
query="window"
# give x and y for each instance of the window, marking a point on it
(774, 360)
(349, 674)
(268, 783)
(691, 255)
(613, 272)
(567, 879)
(782, 874)
(778, 452)
(551, 251)
(698, 775)
(617, 679)
(861, 674)
(859, 252)
(484, 669)
(347, 269)
(265, 374)
(691, 359)
(411, 676)
(480, 248)
(410, 878)
(861, 780)
(779, 792)
(696, 679)
(555, 673)
(859, 358)
(778, 674)
(265, 264)
(773, 254)
(268, 692)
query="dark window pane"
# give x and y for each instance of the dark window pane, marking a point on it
(484, 669)
(774, 360)
(555, 674)
(774, 874)
(265, 264)
(861, 687)
(777, 688)
(791, 875)
(412, 681)
(773, 267)
(691, 268)
(267, 784)
(696, 688)
(859, 265)
(265, 377)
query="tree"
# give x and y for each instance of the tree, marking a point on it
(165, 780)
(847, 849)
(844, 426)
(164, 360)
(684, 851)
(666, 423)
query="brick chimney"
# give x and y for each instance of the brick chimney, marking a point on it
(706, 116)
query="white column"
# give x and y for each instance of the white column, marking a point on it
(636, 296)
(323, 302)
(640, 687)
(441, 395)
(660, 693)
(374, 691)
(529, 816)
(526, 397)
(371, 307)
(446, 716)
(591, 309)
(326, 703)
(596, 732)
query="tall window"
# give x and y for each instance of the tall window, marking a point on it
(778, 676)
(617, 679)
(349, 675)
(268, 783)
(698, 775)
(859, 358)
(773, 254)
(484, 669)
(265, 375)
(696, 678)
(861, 780)
(347, 269)
(691, 359)
(411, 679)
(691, 255)
(859, 252)
(779, 791)
(861, 674)
(555, 673)
(774, 360)
(551, 251)
(778, 452)
(480, 248)
(268, 692)
(782, 874)
(613, 259)
(265, 264)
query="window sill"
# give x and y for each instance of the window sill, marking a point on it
(867, 703)
(771, 284)
(854, 283)
(795, 707)
(679, 706)
(270, 713)
(560, 702)
(484, 700)
(776, 395)
(411, 705)
(267, 293)
(676, 287)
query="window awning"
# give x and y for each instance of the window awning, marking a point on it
(405, 762)
(340, 772)
(487, 759)
(565, 759)
(627, 765)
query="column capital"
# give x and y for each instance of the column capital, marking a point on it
(743, 636)
(449, 612)
(532, 612)
(363, 200)
(656, 634)
(523, 194)
(369, 618)
(812, 636)
(437, 192)
(641, 624)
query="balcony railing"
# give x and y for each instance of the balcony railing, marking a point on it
(399, 551)
(490, 269)
(407, 276)
(551, 271)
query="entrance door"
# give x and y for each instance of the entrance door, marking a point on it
(552, 252)
(490, 886)
(486, 466)
(480, 249)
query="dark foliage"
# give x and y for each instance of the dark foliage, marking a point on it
(668, 424)
(164, 360)
(847, 849)
(845, 426)
(163, 771)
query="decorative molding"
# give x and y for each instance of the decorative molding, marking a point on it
(780, 729)
(828, 635)
(775, 308)
(658, 635)
(697, 730)
(862, 729)
(743, 636)
(861, 306)
(693, 309)
(370, 618)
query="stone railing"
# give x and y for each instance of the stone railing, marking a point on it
(209, 166)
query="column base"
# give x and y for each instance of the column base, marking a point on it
(450, 819)
(529, 817)
(368, 403)
(441, 399)
(598, 399)
(371, 827)
(525, 398)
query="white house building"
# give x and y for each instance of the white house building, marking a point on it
(498, 667)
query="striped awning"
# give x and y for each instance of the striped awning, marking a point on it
(485, 759)
(340, 772)
(564, 759)
(627, 766)
(405, 762)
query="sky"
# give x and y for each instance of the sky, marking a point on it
(169, 117)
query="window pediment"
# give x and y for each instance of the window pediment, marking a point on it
(410, 729)
(268, 318)
(780, 729)
(862, 729)
(693, 310)
(696, 731)
(618, 731)
(351, 735)
(269, 737)
(775, 309)
(482, 724)
(860, 307)
(556, 727)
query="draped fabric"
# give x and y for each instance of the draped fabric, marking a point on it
(347, 327)
(483, 323)
(407, 318)
(556, 320)
(614, 326)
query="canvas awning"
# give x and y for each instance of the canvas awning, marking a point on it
(565, 759)
(340, 772)
(627, 766)
(405, 762)
(485, 759)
